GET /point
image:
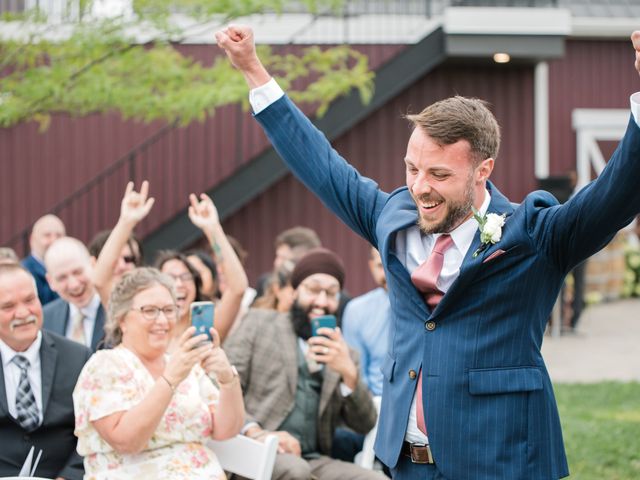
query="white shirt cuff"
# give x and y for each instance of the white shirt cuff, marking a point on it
(344, 390)
(263, 96)
(635, 107)
(247, 426)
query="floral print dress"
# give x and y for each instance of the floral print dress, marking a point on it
(116, 380)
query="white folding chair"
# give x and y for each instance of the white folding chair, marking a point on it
(247, 457)
(366, 458)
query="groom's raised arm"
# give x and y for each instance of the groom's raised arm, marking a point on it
(355, 199)
(585, 223)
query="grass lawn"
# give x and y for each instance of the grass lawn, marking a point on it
(601, 426)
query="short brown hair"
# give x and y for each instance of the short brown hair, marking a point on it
(461, 118)
(302, 238)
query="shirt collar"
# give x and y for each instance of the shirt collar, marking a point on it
(90, 310)
(32, 353)
(463, 234)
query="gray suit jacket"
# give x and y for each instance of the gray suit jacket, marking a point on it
(61, 360)
(264, 350)
(56, 317)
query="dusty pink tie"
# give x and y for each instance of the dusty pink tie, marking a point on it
(425, 278)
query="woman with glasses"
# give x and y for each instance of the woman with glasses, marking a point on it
(141, 413)
(203, 214)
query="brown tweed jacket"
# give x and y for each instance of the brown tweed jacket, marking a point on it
(264, 350)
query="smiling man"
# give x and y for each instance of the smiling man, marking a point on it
(298, 386)
(78, 313)
(38, 372)
(466, 394)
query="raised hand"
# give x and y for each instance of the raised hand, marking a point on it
(332, 350)
(238, 43)
(188, 353)
(135, 205)
(203, 214)
(635, 39)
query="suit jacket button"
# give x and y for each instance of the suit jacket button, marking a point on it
(430, 325)
(412, 374)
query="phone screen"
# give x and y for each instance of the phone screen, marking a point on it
(202, 317)
(325, 321)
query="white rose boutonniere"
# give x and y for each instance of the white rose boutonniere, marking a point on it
(490, 226)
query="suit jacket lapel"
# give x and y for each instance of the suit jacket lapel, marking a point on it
(288, 347)
(500, 205)
(98, 328)
(392, 220)
(48, 358)
(329, 385)
(4, 406)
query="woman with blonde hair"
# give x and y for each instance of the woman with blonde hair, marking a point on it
(143, 414)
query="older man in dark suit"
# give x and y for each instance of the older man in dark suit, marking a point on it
(38, 372)
(298, 385)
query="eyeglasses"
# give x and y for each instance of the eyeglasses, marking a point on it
(183, 277)
(151, 312)
(130, 259)
(315, 290)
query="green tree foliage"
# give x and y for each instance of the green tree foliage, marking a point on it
(80, 63)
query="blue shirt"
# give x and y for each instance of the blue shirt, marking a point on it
(365, 325)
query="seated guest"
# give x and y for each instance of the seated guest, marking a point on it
(45, 231)
(38, 371)
(301, 386)
(77, 314)
(278, 293)
(208, 270)
(118, 251)
(366, 323)
(203, 214)
(142, 414)
(8, 255)
(130, 257)
(289, 246)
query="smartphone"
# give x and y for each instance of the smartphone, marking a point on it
(325, 321)
(202, 318)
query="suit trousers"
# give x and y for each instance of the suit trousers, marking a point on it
(407, 470)
(292, 467)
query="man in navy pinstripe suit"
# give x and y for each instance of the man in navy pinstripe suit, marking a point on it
(489, 407)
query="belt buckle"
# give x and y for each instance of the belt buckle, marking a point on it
(421, 453)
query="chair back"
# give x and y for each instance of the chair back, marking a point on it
(247, 457)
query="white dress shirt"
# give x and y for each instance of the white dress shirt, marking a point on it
(89, 321)
(412, 249)
(12, 374)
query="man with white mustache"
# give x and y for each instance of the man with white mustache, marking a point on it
(78, 313)
(38, 372)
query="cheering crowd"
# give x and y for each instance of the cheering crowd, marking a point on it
(104, 373)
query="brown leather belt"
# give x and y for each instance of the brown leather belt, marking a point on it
(418, 453)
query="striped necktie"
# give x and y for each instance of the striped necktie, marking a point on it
(26, 406)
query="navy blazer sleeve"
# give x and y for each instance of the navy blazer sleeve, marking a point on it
(355, 199)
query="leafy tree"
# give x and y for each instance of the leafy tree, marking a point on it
(78, 61)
